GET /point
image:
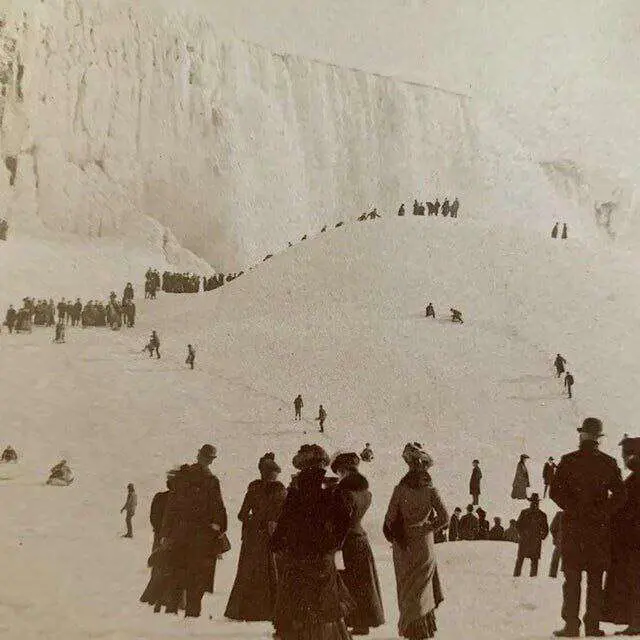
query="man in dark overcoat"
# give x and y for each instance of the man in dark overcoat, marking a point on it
(548, 471)
(195, 518)
(588, 488)
(474, 482)
(533, 528)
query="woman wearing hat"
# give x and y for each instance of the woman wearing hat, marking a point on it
(409, 525)
(310, 604)
(521, 479)
(359, 575)
(253, 594)
(622, 587)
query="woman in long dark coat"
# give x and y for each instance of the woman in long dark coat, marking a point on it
(410, 524)
(253, 594)
(310, 604)
(622, 587)
(359, 575)
(521, 480)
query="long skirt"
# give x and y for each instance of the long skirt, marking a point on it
(622, 588)
(361, 579)
(418, 584)
(253, 595)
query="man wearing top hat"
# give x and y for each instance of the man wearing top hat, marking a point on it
(588, 487)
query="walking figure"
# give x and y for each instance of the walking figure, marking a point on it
(191, 355)
(548, 471)
(474, 482)
(588, 487)
(533, 529)
(559, 363)
(564, 231)
(556, 536)
(401, 210)
(60, 332)
(297, 405)
(322, 416)
(154, 345)
(130, 509)
(456, 316)
(430, 311)
(554, 231)
(568, 383)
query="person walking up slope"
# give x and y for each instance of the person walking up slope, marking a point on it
(130, 509)
(559, 363)
(533, 528)
(568, 383)
(322, 416)
(191, 356)
(588, 487)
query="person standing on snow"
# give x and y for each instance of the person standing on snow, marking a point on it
(564, 231)
(367, 453)
(559, 364)
(521, 479)
(554, 231)
(130, 509)
(154, 345)
(456, 316)
(468, 525)
(191, 355)
(430, 311)
(548, 471)
(474, 482)
(322, 416)
(496, 534)
(533, 528)
(297, 405)
(568, 383)
(588, 487)
(454, 525)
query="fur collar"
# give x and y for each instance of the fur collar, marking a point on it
(417, 479)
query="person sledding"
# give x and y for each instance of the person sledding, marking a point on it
(430, 311)
(456, 316)
(60, 475)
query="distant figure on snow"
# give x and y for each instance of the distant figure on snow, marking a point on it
(564, 231)
(454, 525)
(548, 471)
(474, 482)
(430, 311)
(496, 534)
(521, 479)
(367, 453)
(445, 207)
(9, 455)
(456, 316)
(533, 528)
(322, 416)
(154, 345)
(60, 333)
(401, 210)
(362, 217)
(129, 508)
(297, 405)
(554, 231)
(191, 356)
(511, 533)
(568, 383)
(10, 318)
(60, 475)
(453, 212)
(559, 364)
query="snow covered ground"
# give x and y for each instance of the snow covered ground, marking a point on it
(340, 319)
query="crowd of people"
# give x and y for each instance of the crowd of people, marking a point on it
(287, 572)
(180, 282)
(444, 209)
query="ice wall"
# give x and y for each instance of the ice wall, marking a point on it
(113, 115)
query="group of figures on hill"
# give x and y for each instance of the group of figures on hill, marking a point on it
(92, 314)
(4, 229)
(554, 231)
(560, 365)
(287, 572)
(456, 315)
(444, 209)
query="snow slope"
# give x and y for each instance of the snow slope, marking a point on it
(339, 319)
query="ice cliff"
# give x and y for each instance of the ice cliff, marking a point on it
(122, 121)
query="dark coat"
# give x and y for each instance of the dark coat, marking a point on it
(468, 527)
(454, 528)
(483, 529)
(474, 482)
(588, 487)
(520, 482)
(497, 533)
(533, 529)
(253, 595)
(312, 527)
(622, 587)
(360, 575)
(548, 471)
(556, 529)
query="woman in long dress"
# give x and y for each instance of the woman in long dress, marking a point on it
(359, 575)
(311, 603)
(521, 479)
(622, 587)
(254, 591)
(410, 524)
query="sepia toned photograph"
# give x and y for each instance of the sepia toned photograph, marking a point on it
(317, 319)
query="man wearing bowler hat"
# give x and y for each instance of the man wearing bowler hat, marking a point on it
(588, 487)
